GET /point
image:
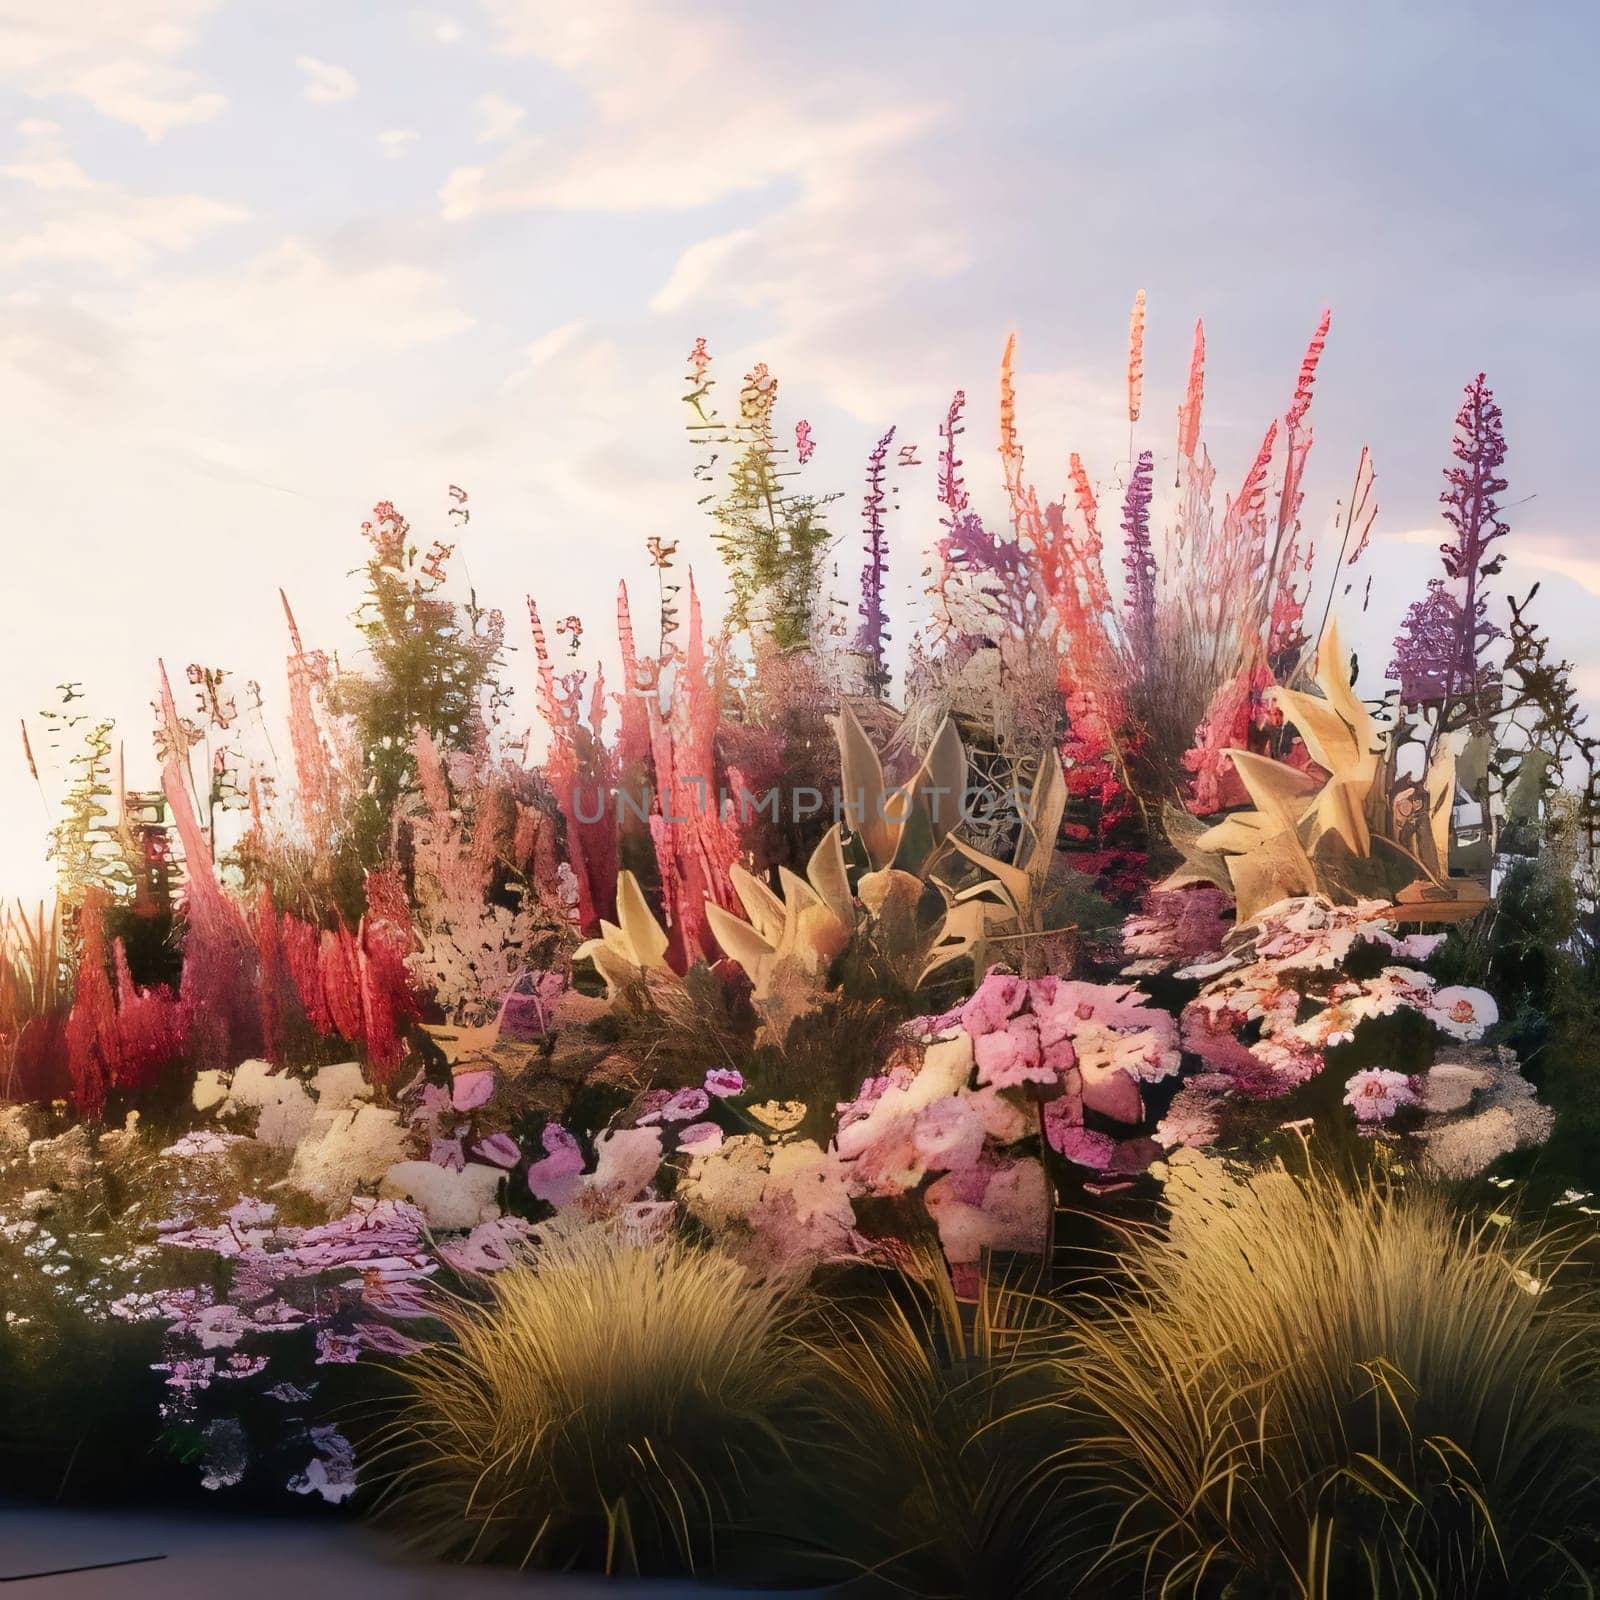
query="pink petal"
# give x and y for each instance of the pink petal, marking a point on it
(499, 1150)
(700, 1136)
(1113, 1094)
(472, 1089)
(1088, 1149)
(558, 1176)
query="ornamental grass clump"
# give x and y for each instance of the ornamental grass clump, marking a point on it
(939, 1445)
(612, 1404)
(1312, 1389)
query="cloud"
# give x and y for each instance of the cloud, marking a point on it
(394, 142)
(845, 229)
(62, 215)
(326, 84)
(1552, 555)
(548, 346)
(118, 55)
(435, 27)
(498, 118)
(684, 110)
(296, 309)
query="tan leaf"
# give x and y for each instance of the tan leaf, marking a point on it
(861, 773)
(1440, 787)
(762, 906)
(1047, 804)
(1275, 870)
(826, 870)
(940, 784)
(1017, 883)
(740, 941)
(647, 940)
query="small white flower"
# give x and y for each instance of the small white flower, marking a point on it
(1461, 1012)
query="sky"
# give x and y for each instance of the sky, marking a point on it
(266, 262)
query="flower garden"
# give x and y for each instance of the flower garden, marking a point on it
(1104, 1098)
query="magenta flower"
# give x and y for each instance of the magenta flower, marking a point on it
(686, 1104)
(558, 1175)
(724, 1082)
(336, 1348)
(472, 1089)
(387, 1341)
(448, 1153)
(498, 1150)
(489, 1247)
(700, 1137)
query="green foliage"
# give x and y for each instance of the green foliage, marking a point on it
(84, 844)
(771, 539)
(433, 666)
(1535, 950)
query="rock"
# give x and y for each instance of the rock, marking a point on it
(336, 1087)
(1450, 1086)
(285, 1110)
(1464, 1148)
(210, 1090)
(19, 1127)
(116, 1144)
(65, 1162)
(343, 1150)
(1478, 1112)
(449, 1200)
(38, 1202)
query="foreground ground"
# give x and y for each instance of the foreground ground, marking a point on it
(249, 1560)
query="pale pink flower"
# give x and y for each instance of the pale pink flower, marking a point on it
(997, 999)
(1009, 1057)
(700, 1137)
(724, 1082)
(948, 1134)
(1376, 1093)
